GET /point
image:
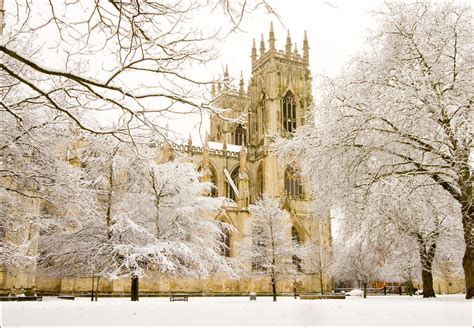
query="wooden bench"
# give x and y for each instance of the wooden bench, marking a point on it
(322, 297)
(66, 297)
(8, 299)
(29, 298)
(179, 297)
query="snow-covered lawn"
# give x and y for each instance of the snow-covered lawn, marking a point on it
(450, 310)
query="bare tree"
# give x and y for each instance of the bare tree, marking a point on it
(117, 67)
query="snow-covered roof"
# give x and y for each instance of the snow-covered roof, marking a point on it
(219, 146)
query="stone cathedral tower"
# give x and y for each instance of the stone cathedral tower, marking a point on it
(275, 104)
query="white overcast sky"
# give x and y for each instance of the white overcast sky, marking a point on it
(337, 29)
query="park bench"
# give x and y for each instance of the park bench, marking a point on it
(179, 297)
(66, 297)
(322, 297)
(29, 298)
(7, 299)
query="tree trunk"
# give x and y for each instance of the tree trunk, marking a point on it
(108, 213)
(110, 192)
(321, 283)
(467, 211)
(97, 288)
(365, 289)
(92, 289)
(274, 291)
(134, 288)
(426, 257)
(468, 266)
(427, 278)
(410, 287)
(157, 203)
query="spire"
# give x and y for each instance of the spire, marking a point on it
(241, 84)
(206, 140)
(206, 173)
(288, 45)
(224, 145)
(262, 46)
(226, 72)
(305, 48)
(254, 52)
(219, 87)
(213, 88)
(272, 37)
(296, 49)
(226, 78)
(2, 17)
(190, 146)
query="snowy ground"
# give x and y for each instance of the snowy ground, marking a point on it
(450, 310)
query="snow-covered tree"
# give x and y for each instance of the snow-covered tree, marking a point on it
(401, 109)
(110, 177)
(183, 213)
(357, 260)
(270, 247)
(151, 217)
(402, 263)
(409, 222)
(181, 203)
(316, 259)
(38, 188)
(422, 219)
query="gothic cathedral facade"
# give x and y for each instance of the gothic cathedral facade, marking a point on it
(237, 157)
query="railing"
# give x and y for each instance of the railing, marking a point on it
(198, 149)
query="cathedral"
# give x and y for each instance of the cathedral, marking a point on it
(237, 157)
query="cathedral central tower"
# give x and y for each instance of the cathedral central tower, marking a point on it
(278, 94)
(280, 89)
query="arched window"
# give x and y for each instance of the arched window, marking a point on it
(229, 191)
(288, 109)
(214, 190)
(225, 243)
(293, 185)
(295, 236)
(259, 191)
(239, 136)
